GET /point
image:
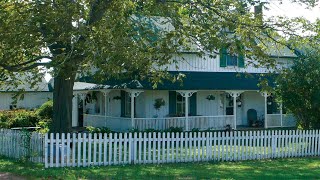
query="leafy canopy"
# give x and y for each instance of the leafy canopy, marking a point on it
(107, 38)
(299, 88)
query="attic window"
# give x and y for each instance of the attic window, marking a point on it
(227, 59)
(232, 60)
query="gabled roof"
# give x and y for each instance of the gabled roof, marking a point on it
(25, 86)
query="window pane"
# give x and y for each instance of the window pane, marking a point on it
(232, 60)
(179, 98)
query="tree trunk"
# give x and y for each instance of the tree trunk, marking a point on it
(62, 104)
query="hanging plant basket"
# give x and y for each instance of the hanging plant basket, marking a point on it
(210, 97)
(158, 103)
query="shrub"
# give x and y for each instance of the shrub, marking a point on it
(174, 129)
(46, 110)
(18, 118)
(98, 130)
(45, 125)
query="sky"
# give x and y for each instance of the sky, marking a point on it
(286, 8)
(291, 10)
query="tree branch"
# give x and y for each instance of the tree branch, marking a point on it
(22, 68)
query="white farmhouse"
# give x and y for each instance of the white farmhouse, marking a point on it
(216, 92)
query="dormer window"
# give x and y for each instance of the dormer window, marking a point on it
(229, 60)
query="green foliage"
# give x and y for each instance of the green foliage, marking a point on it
(299, 89)
(18, 118)
(102, 130)
(46, 110)
(195, 130)
(158, 103)
(135, 37)
(41, 117)
(45, 125)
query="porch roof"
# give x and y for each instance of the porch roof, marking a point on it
(196, 81)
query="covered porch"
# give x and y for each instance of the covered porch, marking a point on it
(123, 110)
(204, 101)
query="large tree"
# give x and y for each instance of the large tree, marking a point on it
(133, 36)
(299, 89)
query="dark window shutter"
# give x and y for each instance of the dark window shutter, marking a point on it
(193, 104)
(172, 102)
(223, 57)
(123, 99)
(241, 61)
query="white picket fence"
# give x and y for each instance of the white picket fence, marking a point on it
(141, 148)
(21, 144)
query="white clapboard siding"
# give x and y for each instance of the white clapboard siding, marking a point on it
(22, 145)
(143, 148)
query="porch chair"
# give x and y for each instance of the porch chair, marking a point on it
(252, 116)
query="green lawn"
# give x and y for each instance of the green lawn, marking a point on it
(295, 168)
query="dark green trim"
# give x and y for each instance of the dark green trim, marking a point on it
(223, 57)
(172, 102)
(193, 104)
(197, 81)
(123, 101)
(241, 61)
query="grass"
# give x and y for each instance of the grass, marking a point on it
(294, 168)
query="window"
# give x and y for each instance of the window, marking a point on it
(181, 103)
(177, 104)
(232, 60)
(229, 105)
(272, 106)
(227, 59)
(127, 105)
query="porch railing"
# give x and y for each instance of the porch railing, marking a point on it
(124, 124)
(119, 124)
(160, 123)
(280, 120)
(211, 122)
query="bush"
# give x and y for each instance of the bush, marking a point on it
(45, 125)
(18, 118)
(299, 90)
(98, 130)
(46, 110)
(174, 129)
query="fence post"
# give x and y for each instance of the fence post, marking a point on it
(273, 144)
(46, 150)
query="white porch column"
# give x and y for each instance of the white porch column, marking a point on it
(83, 96)
(133, 94)
(105, 94)
(235, 94)
(75, 116)
(186, 95)
(265, 95)
(281, 118)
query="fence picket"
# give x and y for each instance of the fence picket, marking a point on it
(100, 149)
(115, 148)
(78, 142)
(318, 143)
(84, 157)
(73, 150)
(110, 142)
(62, 149)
